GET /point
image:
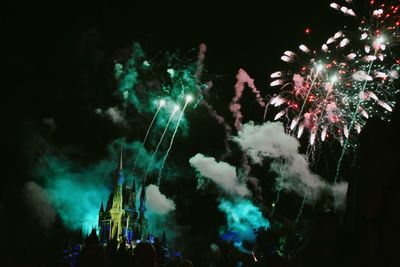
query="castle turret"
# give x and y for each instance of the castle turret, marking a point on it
(142, 201)
(101, 207)
(142, 209)
(117, 210)
(132, 197)
(101, 218)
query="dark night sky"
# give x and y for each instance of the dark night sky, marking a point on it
(58, 62)
(48, 47)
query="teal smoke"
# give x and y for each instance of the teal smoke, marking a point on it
(77, 191)
(243, 218)
(76, 194)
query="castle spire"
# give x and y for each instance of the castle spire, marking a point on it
(132, 194)
(142, 207)
(119, 177)
(120, 158)
(116, 210)
(102, 206)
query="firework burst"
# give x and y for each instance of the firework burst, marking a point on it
(330, 92)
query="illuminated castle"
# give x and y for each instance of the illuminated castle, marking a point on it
(120, 220)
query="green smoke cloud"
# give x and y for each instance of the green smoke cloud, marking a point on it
(243, 218)
(143, 82)
(76, 191)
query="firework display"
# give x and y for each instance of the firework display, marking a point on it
(330, 92)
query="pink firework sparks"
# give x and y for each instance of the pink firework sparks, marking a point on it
(330, 92)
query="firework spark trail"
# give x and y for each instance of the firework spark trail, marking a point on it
(161, 104)
(200, 61)
(309, 154)
(266, 107)
(159, 143)
(221, 121)
(308, 92)
(278, 196)
(172, 140)
(301, 209)
(353, 119)
(202, 101)
(242, 79)
(325, 104)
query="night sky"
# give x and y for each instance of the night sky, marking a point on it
(60, 56)
(58, 66)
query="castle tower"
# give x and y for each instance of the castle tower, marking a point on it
(132, 197)
(142, 201)
(142, 221)
(101, 207)
(117, 210)
(101, 218)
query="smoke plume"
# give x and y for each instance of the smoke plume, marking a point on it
(157, 202)
(243, 218)
(243, 78)
(270, 141)
(38, 199)
(223, 174)
(115, 115)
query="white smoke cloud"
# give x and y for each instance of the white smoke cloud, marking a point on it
(38, 199)
(339, 191)
(157, 202)
(223, 174)
(270, 141)
(114, 114)
(118, 70)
